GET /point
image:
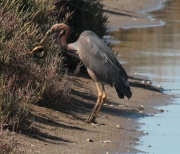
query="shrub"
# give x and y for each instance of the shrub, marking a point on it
(25, 80)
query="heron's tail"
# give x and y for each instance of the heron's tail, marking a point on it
(123, 90)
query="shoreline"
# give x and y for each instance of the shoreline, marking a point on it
(136, 16)
(117, 128)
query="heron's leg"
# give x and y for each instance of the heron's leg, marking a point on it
(93, 112)
(101, 103)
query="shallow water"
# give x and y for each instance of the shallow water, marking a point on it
(155, 52)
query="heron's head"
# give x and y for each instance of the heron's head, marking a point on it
(61, 32)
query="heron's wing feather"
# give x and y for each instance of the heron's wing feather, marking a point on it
(97, 57)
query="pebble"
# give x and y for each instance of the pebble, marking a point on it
(159, 86)
(89, 140)
(118, 126)
(148, 82)
(161, 110)
(141, 107)
(107, 141)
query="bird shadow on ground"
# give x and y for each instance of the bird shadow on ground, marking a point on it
(85, 106)
(52, 122)
(36, 133)
(43, 126)
(80, 106)
(46, 137)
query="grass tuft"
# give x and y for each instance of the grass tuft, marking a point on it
(25, 80)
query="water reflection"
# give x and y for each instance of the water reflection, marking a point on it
(155, 52)
(164, 133)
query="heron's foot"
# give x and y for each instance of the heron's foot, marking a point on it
(89, 121)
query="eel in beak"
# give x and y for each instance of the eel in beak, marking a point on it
(39, 51)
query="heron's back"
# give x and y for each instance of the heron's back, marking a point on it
(97, 57)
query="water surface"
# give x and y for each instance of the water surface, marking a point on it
(155, 52)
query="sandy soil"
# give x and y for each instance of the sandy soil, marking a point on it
(117, 125)
(116, 130)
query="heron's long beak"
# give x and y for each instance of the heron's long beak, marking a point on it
(46, 37)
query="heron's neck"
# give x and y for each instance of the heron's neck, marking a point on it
(63, 42)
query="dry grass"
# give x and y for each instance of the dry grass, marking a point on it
(25, 80)
(8, 143)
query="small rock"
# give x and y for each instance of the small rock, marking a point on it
(118, 126)
(161, 110)
(159, 86)
(107, 152)
(141, 107)
(93, 124)
(101, 124)
(142, 82)
(89, 140)
(148, 82)
(107, 141)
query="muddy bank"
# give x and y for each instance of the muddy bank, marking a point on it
(116, 130)
(132, 13)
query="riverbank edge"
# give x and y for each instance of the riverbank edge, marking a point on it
(117, 128)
